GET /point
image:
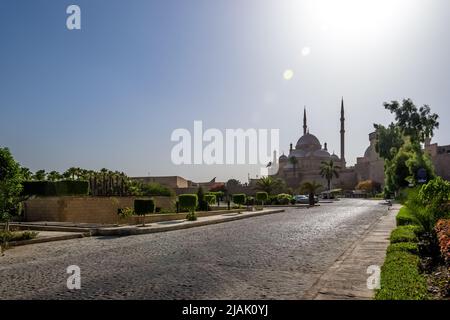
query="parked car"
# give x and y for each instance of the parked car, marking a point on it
(304, 199)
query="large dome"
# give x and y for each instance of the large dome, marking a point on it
(308, 142)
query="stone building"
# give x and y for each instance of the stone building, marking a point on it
(303, 162)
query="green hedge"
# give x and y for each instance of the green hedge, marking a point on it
(410, 247)
(144, 206)
(210, 198)
(55, 188)
(405, 217)
(188, 202)
(262, 196)
(400, 277)
(239, 198)
(405, 234)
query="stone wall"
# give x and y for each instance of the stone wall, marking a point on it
(84, 209)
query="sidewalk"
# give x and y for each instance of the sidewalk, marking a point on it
(181, 224)
(347, 278)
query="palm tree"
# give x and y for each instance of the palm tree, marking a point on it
(53, 176)
(328, 170)
(39, 175)
(311, 189)
(71, 173)
(293, 160)
(267, 184)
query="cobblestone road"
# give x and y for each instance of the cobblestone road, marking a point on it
(276, 256)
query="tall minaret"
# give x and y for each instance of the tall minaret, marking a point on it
(304, 121)
(342, 134)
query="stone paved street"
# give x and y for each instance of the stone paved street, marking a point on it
(278, 256)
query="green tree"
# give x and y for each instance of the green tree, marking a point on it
(39, 175)
(10, 186)
(267, 184)
(202, 204)
(54, 176)
(417, 123)
(311, 188)
(390, 140)
(328, 170)
(26, 173)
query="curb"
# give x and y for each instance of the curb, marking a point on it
(134, 230)
(49, 239)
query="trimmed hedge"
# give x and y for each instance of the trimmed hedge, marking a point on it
(262, 196)
(188, 202)
(405, 234)
(284, 198)
(400, 277)
(210, 199)
(55, 188)
(144, 206)
(405, 217)
(239, 198)
(410, 247)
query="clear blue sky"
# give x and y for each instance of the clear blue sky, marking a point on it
(111, 94)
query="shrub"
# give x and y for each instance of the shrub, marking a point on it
(143, 207)
(405, 217)
(435, 195)
(8, 236)
(125, 212)
(443, 234)
(156, 189)
(239, 199)
(210, 199)
(188, 202)
(191, 216)
(405, 234)
(284, 198)
(262, 197)
(410, 247)
(400, 277)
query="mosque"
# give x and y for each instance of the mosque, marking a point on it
(305, 159)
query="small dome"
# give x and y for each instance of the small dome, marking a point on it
(282, 158)
(335, 157)
(321, 153)
(308, 142)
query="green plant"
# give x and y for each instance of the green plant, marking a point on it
(435, 195)
(262, 197)
(405, 234)
(239, 199)
(143, 207)
(188, 202)
(55, 188)
(310, 188)
(328, 170)
(156, 189)
(210, 199)
(410, 247)
(405, 217)
(284, 198)
(400, 276)
(202, 204)
(191, 216)
(10, 186)
(125, 212)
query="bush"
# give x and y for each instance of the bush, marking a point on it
(410, 247)
(188, 202)
(262, 197)
(191, 216)
(156, 189)
(55, 188)
(125, 212)
(8, 236)
(435, 196)
(405, 234)
(144, 206)
(284, 198)
(239, 199)
(211, 199)
(405, 217)
(400, 277)
(443, 234)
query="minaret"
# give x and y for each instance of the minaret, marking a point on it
(304, 121)
(342, 134)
